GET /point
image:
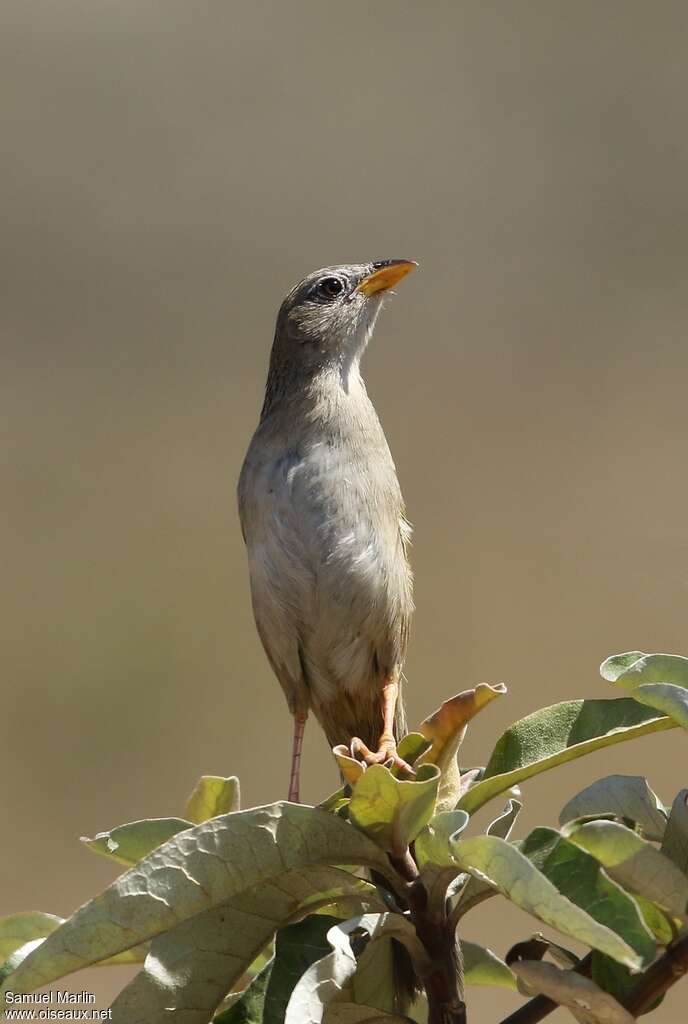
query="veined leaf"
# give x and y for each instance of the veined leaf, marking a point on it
(297, 947)
(476, 891)
(135, 955)
(633, 862)
(502, 866)
(579, 876)
(634, 668)
(625, 796)
(330, 979)
(191, 968)
(557, 734)
(588, 1003)
(393, 811)
(195, 871)
(659, 681)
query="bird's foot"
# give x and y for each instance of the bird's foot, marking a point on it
(386, 754)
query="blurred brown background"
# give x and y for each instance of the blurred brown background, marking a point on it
(169, 170)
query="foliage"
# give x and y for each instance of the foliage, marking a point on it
(265, 916)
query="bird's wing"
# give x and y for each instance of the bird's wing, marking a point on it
(277, 580)
(407, 606)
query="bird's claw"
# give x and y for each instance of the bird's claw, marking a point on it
(386, 754)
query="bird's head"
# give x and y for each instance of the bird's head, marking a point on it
(328, 317)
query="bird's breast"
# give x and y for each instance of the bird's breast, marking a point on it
(328, 504)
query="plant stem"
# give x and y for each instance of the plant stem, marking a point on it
(444, 984)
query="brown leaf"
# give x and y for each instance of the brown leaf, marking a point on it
(445, 729)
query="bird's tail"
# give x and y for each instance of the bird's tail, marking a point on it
(359, 714)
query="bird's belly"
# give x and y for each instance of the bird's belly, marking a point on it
(321, 552)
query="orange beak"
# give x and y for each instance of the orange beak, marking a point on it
(385, 276)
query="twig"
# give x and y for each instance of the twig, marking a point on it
(541, 1006)
(653, 984)
(659, 978)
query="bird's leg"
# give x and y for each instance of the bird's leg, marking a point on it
(387, 746)
(300, 718)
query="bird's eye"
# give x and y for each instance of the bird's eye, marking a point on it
(329, 288)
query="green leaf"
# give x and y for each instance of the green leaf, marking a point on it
(665, 697)
(475, 891)
(675, 842)
(614, 978)
(350, 767)
(557, 734)
(635, 668)
(197, 870)
(659, 923)
(248, 1009)
(656, 680)
(192, 967)
(332, 978)
(373, 983)
(581, 879)
(624, 796)
(433, 844)
(483, 967)
(135, 955)
(412, 746)
(128, 844)
(297, 947)
(213, 795)
(588, 1003)
(633, 863)
(501, 865)
(612, 668)
(17, 956)
(393, 811)
(18, 929)
(434, 857)
(504, 822)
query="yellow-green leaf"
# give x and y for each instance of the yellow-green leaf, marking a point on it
(213, 795)
(128, 844)
(393, 811)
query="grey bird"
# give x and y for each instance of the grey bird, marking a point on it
(324, 521)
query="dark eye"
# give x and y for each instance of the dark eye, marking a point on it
(329, 288)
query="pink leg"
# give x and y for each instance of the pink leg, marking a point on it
(299, 729)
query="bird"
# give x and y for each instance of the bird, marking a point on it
(324, 521)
